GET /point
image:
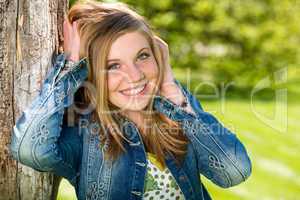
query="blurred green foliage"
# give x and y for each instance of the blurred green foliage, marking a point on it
(226, 40)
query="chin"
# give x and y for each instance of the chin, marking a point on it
(134, 107)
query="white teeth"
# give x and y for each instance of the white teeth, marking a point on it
(134, 91)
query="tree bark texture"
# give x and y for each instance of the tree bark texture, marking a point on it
(30, 33)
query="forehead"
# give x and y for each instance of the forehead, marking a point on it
(127, 44)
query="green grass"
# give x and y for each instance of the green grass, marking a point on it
(274, 154)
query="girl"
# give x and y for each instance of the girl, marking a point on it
(140, 133)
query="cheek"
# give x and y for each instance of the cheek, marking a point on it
(113, 81)
(150, 69)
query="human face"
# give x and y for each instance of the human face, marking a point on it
(132, 72)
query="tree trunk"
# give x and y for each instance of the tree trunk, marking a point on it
(30, 32)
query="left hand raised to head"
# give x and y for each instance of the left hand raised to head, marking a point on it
(169, 88)
(164, 50)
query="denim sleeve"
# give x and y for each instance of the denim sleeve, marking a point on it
(221, 156)
(39, 138)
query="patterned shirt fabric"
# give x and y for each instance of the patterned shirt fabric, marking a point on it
(160, 183)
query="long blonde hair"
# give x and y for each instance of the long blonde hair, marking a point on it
(100, 24)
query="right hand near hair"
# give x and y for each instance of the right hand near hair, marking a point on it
(71, 40)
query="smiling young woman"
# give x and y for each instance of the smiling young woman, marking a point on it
(147, 136)
(126, 67)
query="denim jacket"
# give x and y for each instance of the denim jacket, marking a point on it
(42, 141)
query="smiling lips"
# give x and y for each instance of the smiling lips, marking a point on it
(134, 91)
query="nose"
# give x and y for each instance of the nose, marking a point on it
(135, 74)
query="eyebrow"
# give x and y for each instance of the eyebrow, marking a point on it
(136, 53)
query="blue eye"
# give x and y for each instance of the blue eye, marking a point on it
(113, 66)
(144, 56)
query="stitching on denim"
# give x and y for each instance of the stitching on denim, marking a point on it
(98, 189)
(188, 96)
(59, 65)
(60, 60)
(172, 108)
(204, 127)
(217, 158)
(215, 162)
(204, 146)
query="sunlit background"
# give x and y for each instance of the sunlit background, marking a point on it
(241, 59)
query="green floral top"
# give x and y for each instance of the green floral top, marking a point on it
(159, 182)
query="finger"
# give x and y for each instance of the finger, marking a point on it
(158, 43)
(74, 26)
(67, 34)
(67, 27)
(161, 50)
(159, 40)
(156, 37)
(75, 29)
